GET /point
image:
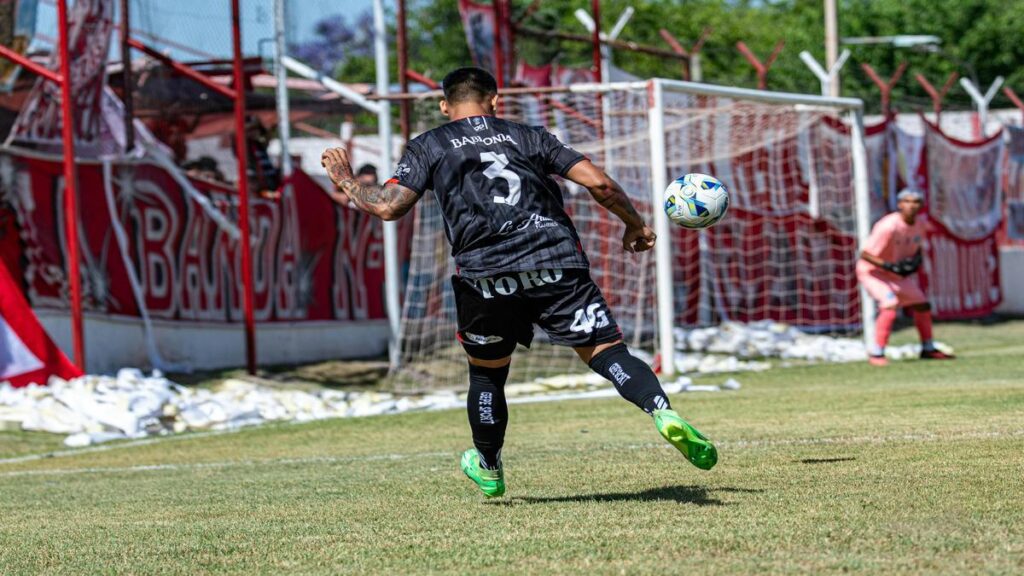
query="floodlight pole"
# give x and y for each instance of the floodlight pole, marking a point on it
(284, 128)
(70, 187)
(242, 152)
(391, 268)
(832, 57)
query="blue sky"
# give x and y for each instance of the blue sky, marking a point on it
(205, 25)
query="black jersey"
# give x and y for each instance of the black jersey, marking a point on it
(502, 210)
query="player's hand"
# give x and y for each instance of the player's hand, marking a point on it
(638, 238)
(338, 166)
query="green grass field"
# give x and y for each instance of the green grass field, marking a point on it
(917, 468)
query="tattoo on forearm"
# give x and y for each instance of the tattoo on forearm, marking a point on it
(381, 200)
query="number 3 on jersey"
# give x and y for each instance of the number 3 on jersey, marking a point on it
(498, 169)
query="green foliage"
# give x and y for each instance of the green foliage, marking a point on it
(979, 40)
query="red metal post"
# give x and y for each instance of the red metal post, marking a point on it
(403, 72)
(414, 75)
(761, 67)
(181, 68)
(29, 65)
(937, 95)
(126, 76)
(511, 31)
(885, 86)
(499, 47)
(1015, 99)
(242, 149)
(70, 187)
(678, 49)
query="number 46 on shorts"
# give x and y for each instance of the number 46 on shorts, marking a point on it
(588, 319)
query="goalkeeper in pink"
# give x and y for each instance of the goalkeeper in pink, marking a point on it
(887, 269)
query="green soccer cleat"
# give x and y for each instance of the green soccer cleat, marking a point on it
(687, 439)
(490, 482)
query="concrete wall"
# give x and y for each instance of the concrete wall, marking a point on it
(1011, 272)
(113, 342)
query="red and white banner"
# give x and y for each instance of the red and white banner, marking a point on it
(89, 25)
(27, 354)
(964, 184)
(312, 260)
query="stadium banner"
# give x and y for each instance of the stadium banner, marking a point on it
(90, 23)
(964, 183)
(895, 161)
(1014, 183)
(312, 259)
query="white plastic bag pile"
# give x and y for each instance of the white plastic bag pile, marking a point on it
(94, 409)
(766, 339)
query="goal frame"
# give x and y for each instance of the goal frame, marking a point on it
(853, 108)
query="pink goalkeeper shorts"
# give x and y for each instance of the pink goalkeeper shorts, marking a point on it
(891, 290)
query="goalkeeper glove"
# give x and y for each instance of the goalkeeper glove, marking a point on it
(906, 266)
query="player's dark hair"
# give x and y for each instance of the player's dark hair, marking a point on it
(468, 84)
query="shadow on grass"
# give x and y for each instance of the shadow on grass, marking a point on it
(826, 460)
(698, 495)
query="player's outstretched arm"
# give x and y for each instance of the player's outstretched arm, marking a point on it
(607, 192)
(388, 202)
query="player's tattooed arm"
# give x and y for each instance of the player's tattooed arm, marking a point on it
(638, 237)
(388, 202)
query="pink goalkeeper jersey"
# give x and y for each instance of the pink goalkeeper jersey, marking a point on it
(892, 240)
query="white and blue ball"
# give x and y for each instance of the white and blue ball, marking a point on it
(696, 201)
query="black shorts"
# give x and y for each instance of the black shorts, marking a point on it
(496, 313)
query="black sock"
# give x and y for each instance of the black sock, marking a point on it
(632, 377)
(488, 413)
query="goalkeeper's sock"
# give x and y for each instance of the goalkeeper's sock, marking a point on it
(883, 326)
(632, 377)
(923, 321)
(488, 412)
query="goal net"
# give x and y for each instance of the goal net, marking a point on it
(785, 252)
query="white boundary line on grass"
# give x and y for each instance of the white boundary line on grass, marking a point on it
(926, 437)
(115, 446)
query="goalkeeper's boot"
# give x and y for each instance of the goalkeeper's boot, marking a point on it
(878, 360)
(687, 439)
(934, 354)
(490, 482)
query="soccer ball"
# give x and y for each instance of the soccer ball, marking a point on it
(696, 201)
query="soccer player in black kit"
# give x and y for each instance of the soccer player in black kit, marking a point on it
(519, 258)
